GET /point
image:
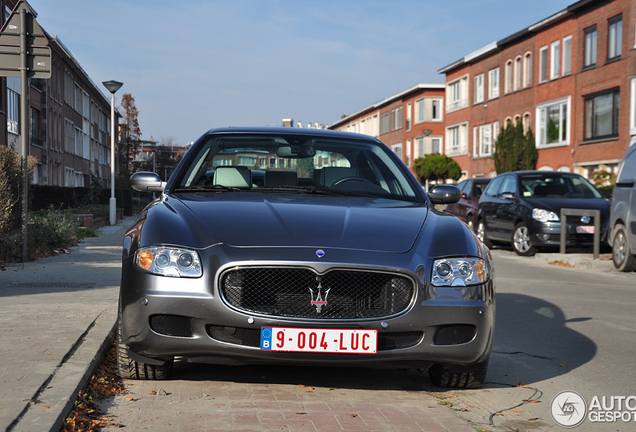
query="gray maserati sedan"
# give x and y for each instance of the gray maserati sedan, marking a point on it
(302, 247)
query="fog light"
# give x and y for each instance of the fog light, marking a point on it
(544, 237)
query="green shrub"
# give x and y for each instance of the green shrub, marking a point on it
(11, 188)
(48, 231)
(84, 232)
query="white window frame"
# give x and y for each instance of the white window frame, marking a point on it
(420, 111)
(555, 59)
(518, 73)
(485, 139)
(527, 69)
(567, 56)
(632, 107)
(460, 132)
(424, 110)
(541, 115)
(409, 117)
(440, 110)
(419, 148)
(543, 64)
(509, 79)
(493, 83)
(441, 143)
(457, 94)
(495, 134)
(397, 149)
(479, 88)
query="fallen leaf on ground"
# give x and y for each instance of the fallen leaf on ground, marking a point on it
(153, 393)
(301, 385)
(517, 410)
(301, 413)
(561, 263)
(534, 419)
(353, 415)
(531, 400)
(130, 398)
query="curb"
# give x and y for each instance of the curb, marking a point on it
(56, 397)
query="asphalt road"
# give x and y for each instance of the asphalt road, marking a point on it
(558, 329)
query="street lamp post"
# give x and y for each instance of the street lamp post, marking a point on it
(112, 87)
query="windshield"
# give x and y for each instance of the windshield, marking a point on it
(562, 186)
(307, 164)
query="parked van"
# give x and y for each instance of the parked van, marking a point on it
(623, 214)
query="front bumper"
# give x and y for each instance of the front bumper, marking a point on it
(164, 317)
(548, 234)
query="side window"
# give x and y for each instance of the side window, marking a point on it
(463, 189)
(493, 187)
(627, 173)
(478, 189)
(509, 185)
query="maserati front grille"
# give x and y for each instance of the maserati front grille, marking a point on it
(302, 293)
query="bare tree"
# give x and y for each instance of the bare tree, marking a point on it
(129, 130)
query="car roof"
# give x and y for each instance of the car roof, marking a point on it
(327, 133)
(546, 173)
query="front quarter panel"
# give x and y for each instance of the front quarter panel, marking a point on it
(168, 222)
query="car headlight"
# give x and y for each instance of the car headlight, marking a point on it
(167, 261)
(459, 272)
(543, 215)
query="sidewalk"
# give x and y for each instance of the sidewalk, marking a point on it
(55, 316)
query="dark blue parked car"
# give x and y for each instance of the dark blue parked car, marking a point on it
(523, 209)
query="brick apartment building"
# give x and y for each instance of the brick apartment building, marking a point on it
(69, 118)
(571, 77)
(410, 122)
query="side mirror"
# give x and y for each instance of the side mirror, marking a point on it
(444, 194)
(146, 182)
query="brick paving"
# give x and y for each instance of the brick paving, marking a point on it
(268, 398)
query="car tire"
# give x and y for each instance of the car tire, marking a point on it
(470, 223)
(623, 260)
(521, 241)
(462, 377)
(135, 370)
(481, 233)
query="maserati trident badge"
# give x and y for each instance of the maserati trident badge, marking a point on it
(319, 302)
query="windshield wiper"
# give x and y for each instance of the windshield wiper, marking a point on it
(211, 188)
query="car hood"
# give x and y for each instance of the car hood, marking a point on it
(247, 219)
(556, 204)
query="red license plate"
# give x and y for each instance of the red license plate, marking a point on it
(341, 341)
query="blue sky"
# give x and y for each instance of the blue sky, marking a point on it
(196, 65)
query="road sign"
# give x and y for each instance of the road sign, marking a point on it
(38, 61)
(12, 29)
(14, 33)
